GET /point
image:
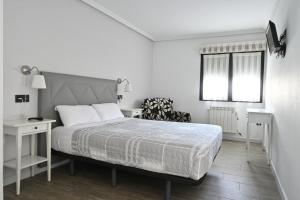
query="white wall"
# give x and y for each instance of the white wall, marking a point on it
(176, 74)
(67, 36)
(1, 100)
(283, 98)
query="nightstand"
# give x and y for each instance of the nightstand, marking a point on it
(20, 128)
(260, 116)
(132, 112)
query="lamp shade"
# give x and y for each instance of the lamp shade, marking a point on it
(38, 82)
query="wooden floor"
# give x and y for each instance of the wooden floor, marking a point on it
(231, 177)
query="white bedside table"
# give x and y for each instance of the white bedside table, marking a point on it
(261, 116)
(132, 112)
(20, 128)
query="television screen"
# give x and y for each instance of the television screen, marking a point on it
(272, 37)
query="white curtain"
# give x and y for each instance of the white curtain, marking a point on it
(246, 81)
(215, 77)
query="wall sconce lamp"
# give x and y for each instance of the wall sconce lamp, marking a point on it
(38, 80)
(122, 89)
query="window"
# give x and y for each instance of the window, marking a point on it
(236, 77)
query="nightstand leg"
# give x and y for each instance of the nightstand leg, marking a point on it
(269, 143)
(18, 167)
(248, 143)
(32, 152)
(49, 151)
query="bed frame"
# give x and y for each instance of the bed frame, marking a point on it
(114, 168)
(64, 89)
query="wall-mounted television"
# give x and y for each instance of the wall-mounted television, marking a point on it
(272, 38)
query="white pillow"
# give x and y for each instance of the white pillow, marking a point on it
(108, 111)
(79, 114)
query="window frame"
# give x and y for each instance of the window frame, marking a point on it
(230, 76)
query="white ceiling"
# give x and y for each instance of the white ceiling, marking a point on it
(179, 19)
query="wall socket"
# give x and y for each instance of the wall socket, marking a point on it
(21, 98)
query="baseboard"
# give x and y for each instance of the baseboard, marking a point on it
(278, 183)
(26, 173)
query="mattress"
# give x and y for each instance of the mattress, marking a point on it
(181, 149)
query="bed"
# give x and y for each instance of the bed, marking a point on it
(172, 151)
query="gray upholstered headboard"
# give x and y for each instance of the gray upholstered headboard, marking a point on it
(64, 89)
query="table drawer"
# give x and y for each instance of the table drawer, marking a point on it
(34, 128)
(259, 118)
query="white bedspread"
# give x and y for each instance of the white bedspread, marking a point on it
(182, 149)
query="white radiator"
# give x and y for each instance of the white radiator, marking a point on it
(226, 117)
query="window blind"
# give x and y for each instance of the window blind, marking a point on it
(215, 77)
(246, 77)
